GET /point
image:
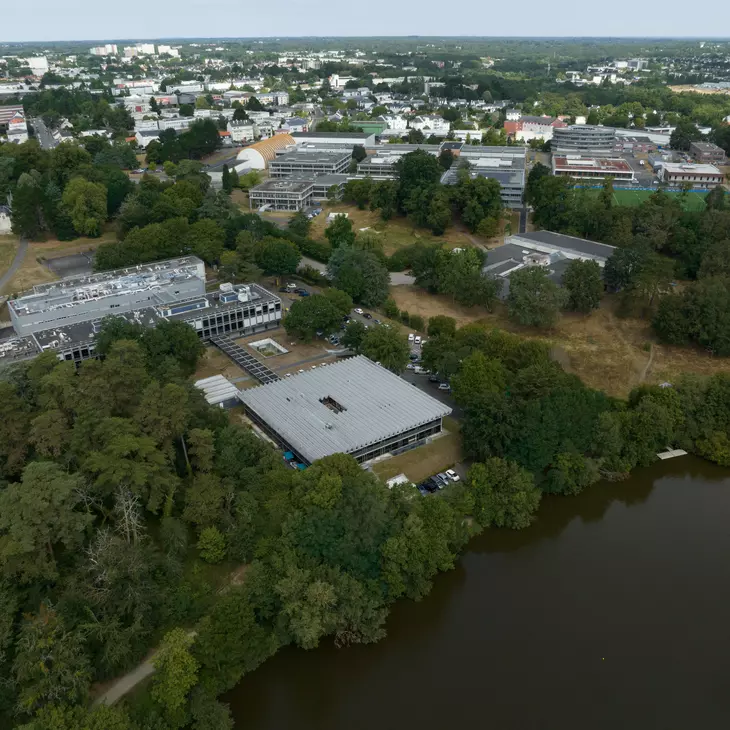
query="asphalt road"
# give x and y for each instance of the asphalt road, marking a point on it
(523, 220)
(15, 265)
(45, 138)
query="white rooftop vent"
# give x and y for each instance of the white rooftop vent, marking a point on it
(227, 286)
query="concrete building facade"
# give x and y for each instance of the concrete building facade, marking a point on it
(584, 139)
(309, 163)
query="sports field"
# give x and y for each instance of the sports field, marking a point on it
(692, 201)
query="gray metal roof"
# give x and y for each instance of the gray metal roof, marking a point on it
(378, 404)
(565, 243)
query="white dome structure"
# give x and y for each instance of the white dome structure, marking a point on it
(258, 155)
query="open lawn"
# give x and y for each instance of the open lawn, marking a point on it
(33, 271)
(607, 352)
(632, 198)
(396, 233)
(424, 461)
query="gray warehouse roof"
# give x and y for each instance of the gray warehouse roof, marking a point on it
(376, 403)
(564, 243)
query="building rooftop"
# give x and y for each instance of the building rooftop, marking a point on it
(322, 135)
(341, 407)
(562, 242)
(706, 147)
(283, 185)
(182, 309)
(313, 157)
(75, 290)
(690, 168)
(604, 165)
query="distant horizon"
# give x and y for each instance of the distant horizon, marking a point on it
(188, 39)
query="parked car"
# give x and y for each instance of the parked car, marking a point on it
(444, 477)
(410, 366)
(414, 356)
(376, 321)
(346, 318)
(433, 378)
(411, 337)
(418, 339)
(445, 386)
(302, 292)
(359, 311)
(367, 315)
(451, 474)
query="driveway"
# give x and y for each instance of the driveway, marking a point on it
(17, 262)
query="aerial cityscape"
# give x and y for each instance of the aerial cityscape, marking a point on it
(363, 381)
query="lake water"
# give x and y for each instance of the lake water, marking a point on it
(611, 611)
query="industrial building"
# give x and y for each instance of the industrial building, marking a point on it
(698, 176)
(65, 316)
(278, 194)
(309, 163)
(353, 406)
(592, 168)
(584, 139)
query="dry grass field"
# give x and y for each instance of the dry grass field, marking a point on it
(607, 352)
(34, 271)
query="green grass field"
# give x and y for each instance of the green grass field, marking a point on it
(632, 198)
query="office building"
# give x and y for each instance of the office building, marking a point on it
(697, 176)
(353, 406)
(310, 163)
(707, 153)
(584, 139)
(592, 168)
(64, 317)
(282, 194)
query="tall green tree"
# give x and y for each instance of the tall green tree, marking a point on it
(504, 494)
(584, 284)
(534, 299)
(40, 521)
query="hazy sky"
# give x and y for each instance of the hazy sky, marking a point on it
(45, 20)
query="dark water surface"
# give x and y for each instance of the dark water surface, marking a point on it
(612, 611)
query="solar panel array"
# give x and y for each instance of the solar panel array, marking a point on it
(244, 359)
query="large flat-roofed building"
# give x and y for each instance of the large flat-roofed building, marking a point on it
(592, 168)
(282, 194)
(707, 153)
(309, 163)
(554, 251)
(698, 176)
(64, 317)
(584, 139)
(506, 165)
(353, 407)
(81, 298)
(364, 139)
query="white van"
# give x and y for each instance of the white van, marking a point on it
(418, 339)
(410, 337)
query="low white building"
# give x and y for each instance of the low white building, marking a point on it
(145, 136)
(431, 125)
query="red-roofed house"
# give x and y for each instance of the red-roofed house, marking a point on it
(527, 128)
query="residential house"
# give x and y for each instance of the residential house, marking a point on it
(528, 128)
(431, 125)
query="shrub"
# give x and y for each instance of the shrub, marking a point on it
(405, 318)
